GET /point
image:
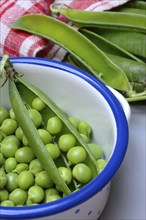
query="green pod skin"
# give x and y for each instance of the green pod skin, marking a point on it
(107, 45)
(104, 19)
(137, 4)
(28, 92)
(132, 10)
(33, 137)
(135, 44)
(75, 43)
(135, 70)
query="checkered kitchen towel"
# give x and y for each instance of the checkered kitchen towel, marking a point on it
(19, 43)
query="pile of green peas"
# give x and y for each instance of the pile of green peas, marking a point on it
(23, 180)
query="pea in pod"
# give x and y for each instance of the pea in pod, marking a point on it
(22, 93)
(75, 43)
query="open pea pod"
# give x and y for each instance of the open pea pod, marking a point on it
(21, 95)
(78, 45)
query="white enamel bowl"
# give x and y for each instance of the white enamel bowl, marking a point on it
(84, 97)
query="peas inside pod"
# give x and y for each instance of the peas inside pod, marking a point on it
(44, 153)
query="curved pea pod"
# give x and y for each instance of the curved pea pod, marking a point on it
(28, 92)
(78, 45)
(134, 69)
(132, 10)
(137, 4)
(135, 44)
(104, 19)
(33, 138)
(107, 45)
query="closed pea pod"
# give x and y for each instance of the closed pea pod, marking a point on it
(62, 34)
(135, 45)
(104, 19)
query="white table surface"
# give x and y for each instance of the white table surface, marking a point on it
(127, 199)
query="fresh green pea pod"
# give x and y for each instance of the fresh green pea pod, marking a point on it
(21, 92)
(137, 4)
(75, 43)
(135, 71)
(104, 19)
(33, 137)
(132, 10)
(134, 42)
(29, 92)
(139, 88)
(108, 46)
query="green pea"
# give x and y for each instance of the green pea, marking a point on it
(9, 149)
(24, 155)
(11, 138)
(3, 114)
(3, 178)
(101, 163)
(82, 173)
(4, 195)
(45, 136)
(53, 150)
(84, 128)
(51, 191)
(85, 138)
(8, 126)
(12, 114)
(25, 141)
(1, 137)
(1, 159)
(20, 167)
(74, 121)
(18, 196)
(67, 141)
(35, 166)
(96, 151)
(43, 179)
(36, 194)
(7, 203)
(35, 117)
(52, 198)
(19, 133)
(54, 125)
(66, 174)
(12, 182)
(38, 104)
(25, 179)
(76, 155)
(10, 164)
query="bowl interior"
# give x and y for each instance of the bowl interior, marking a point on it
(76, 95)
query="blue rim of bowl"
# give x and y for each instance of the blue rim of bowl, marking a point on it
(98, 183)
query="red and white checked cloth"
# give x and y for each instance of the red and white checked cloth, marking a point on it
(19, 43)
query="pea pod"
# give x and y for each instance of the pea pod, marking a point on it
(107, 45)
(21, 92)
(132, 10)
(62, 34)
(134, 69)
(135, 45)
(33, 137)
(104, 19)
(137, 4)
